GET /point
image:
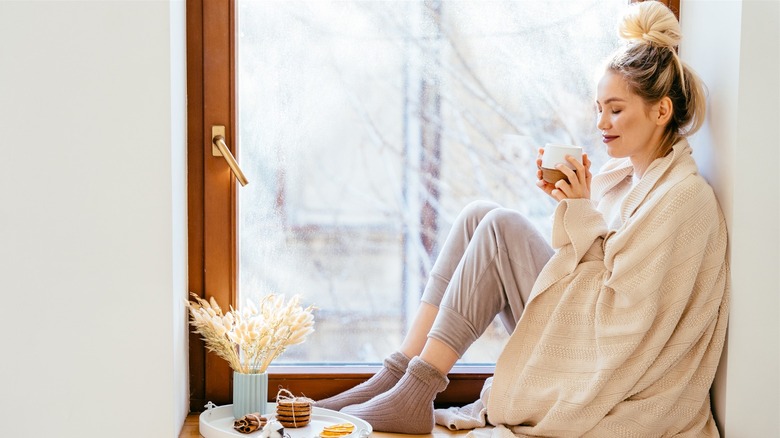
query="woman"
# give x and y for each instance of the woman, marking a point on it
(617, 329)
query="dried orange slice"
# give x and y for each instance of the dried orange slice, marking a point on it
(337, 430)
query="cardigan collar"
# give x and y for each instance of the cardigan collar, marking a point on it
(617, 170)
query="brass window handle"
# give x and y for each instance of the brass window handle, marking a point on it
(219, 148)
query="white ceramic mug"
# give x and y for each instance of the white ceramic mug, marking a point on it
(554, 154)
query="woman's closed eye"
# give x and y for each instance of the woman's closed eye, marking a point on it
(599, 110)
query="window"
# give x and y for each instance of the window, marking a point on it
(364, 127)
(368, 126)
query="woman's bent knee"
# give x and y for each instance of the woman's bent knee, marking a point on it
(508, 220)
(476, 210)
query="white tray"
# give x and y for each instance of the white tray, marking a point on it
(218, 423)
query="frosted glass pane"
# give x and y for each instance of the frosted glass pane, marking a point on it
(364, 128)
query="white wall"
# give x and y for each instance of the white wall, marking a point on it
(92, 219)
(734, 45)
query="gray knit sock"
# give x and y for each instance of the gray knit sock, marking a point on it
(394, 368)
(408, 406)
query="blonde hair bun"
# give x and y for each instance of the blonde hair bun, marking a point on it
(652, 23)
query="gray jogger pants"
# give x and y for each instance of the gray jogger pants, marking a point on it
(487, 267)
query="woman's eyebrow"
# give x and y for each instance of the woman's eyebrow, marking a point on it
(612, 99)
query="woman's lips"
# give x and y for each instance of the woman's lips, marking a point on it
(608, 138)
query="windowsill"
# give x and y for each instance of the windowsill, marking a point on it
(365, 369)
(438, 431)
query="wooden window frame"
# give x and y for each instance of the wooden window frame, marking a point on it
(213, 254)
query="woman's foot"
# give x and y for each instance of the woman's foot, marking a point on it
(408, 406)
(394, 367)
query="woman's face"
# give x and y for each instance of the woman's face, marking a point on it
(629, 127)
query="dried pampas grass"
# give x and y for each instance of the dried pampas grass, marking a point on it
(250, 339)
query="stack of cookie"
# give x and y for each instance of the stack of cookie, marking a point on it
(293, 412)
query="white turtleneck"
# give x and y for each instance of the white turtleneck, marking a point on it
(612, 212)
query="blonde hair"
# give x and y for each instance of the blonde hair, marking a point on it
(649, 63)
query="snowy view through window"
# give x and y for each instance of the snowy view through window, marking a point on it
(365, 127)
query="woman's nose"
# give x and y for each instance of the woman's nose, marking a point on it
(602, 122)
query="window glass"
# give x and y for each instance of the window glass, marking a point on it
(365, 127)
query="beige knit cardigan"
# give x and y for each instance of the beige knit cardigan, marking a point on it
(624, 329)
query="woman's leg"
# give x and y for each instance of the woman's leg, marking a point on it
(494, 277)
(451, 253)
(395, 365)
(417, 335)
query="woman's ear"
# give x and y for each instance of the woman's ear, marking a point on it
(665, 110)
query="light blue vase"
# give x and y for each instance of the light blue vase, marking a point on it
(250, 393)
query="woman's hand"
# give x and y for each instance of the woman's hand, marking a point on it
(578, 186)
